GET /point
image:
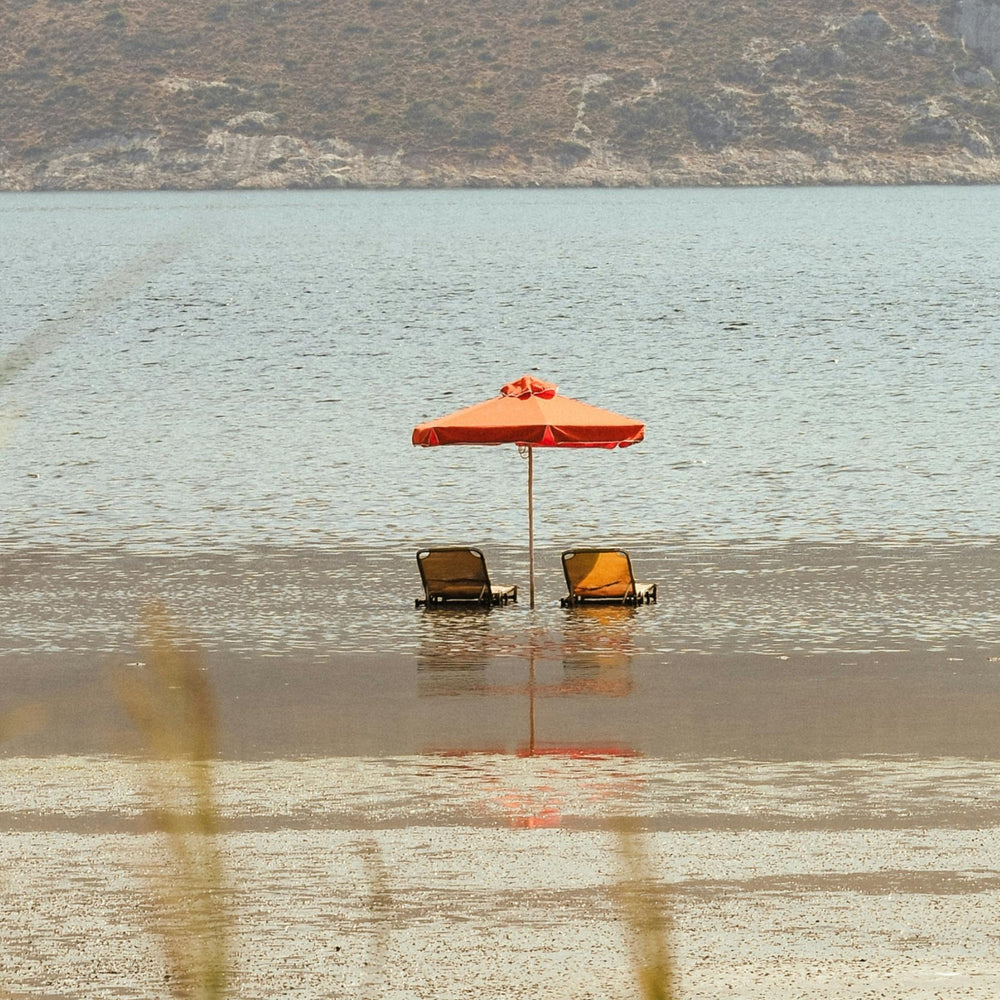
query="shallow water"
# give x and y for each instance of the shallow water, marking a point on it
(228, 369)
(208, 401)
(311, 603)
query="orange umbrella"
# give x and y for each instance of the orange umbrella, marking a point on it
(530, 414)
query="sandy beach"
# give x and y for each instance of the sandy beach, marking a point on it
(437, 819)
(496, 875)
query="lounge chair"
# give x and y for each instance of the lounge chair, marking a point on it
(603, 575)
(458, 574)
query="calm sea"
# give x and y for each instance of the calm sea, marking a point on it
(215, 374)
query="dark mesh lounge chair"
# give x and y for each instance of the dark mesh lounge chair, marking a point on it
(458, 574)
(603, 575)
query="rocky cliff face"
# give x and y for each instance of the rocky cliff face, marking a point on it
(230, 160)
(384, 93)
(978, 23)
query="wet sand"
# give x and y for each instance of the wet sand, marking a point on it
(927, 703)
(495, 875)
(821, 813)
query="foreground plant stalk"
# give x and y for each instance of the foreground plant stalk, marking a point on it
(647, 920)
(170, 703)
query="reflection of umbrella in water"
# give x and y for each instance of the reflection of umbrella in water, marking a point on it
(461, 655)
(595, 655)
(530, 414)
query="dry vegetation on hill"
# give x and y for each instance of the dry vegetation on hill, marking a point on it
(195, 93)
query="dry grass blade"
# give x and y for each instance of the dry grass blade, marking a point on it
(170, 703)
(46, 337)
(381, 907)
(112, 288)
(647, 921)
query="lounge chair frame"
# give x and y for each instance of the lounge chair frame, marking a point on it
(458, 574)
(620, 588)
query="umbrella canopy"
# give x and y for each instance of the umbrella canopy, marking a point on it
(531, 414)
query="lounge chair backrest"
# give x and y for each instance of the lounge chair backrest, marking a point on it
(599, 573)
(454, 574)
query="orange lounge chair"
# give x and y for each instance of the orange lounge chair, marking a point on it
(603, 575)
(458, 574)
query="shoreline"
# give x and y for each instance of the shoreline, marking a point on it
(138, 163)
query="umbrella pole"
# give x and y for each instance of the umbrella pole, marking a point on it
(531, 530)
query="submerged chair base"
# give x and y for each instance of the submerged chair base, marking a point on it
(645, 594)
(603, 576)
(497, 596)
(458, 576)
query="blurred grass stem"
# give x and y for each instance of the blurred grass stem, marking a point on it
(647, 920)
(170, 703)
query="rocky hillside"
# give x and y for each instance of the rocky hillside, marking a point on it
(335, 93)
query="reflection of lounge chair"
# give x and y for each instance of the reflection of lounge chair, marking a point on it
(603, 575)
(458, 575)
